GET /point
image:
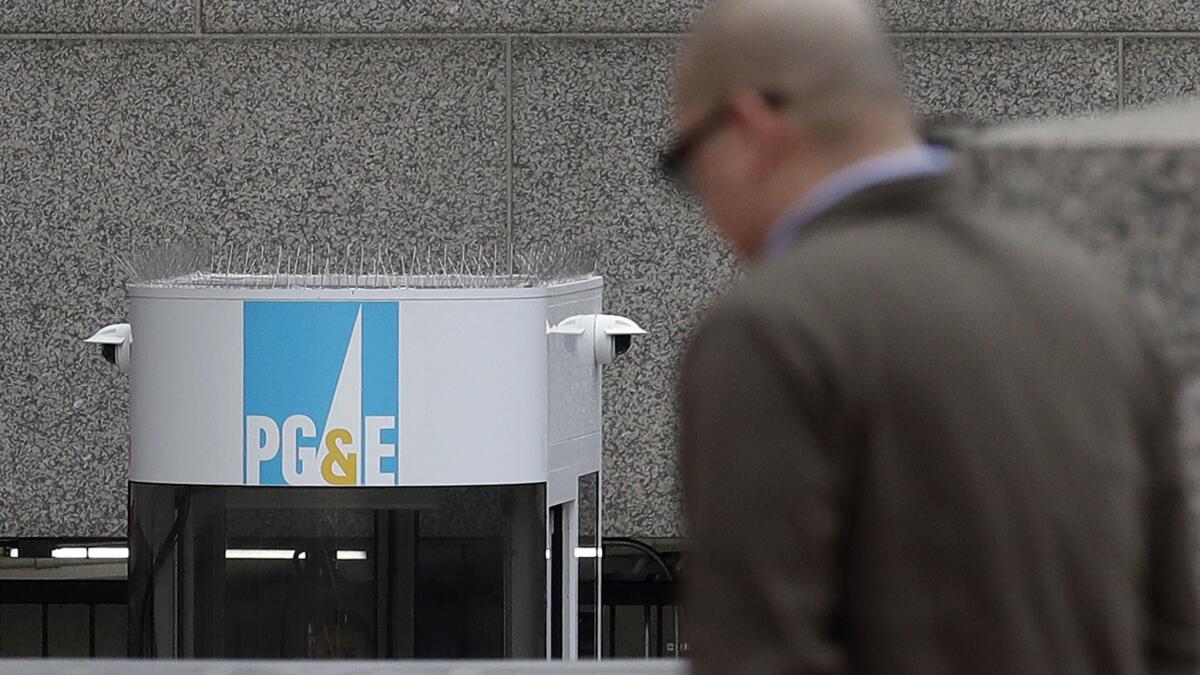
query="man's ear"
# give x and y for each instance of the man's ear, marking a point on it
(765, 129)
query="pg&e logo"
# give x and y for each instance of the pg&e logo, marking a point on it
(321, 393)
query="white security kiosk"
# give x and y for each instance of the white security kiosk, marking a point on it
(377, 465)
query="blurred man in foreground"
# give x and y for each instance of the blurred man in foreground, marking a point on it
(915, 439)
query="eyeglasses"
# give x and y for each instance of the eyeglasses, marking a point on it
(674, 159)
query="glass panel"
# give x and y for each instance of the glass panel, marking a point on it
(299, 577)
(67, 631)
(111, 630)
(347, 573)
(588, 551)
(20, 630)
(632, 637)
(556, 581)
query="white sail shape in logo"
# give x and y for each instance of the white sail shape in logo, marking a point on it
(341, 432)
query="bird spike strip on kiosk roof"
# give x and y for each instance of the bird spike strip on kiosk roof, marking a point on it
(364, 454)
(432, 265)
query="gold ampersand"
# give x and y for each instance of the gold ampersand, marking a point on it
(347, 464)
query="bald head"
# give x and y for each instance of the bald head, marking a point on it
(827, 58)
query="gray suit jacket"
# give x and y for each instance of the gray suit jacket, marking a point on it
(919, 443)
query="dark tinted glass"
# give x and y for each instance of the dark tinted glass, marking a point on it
(589, 552)
(338, 573)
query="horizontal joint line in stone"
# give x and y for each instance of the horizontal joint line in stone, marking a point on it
(334, 36)
(1050, 35)
(946, 35)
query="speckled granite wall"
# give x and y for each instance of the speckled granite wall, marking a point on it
(129, 121)
(1125, 188)
(99, 16)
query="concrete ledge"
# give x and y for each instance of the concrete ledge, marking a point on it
(140, 667)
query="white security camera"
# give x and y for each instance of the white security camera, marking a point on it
(609, 336)
(114, 341)
(614, 337)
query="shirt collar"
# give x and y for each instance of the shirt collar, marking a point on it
(909, 162)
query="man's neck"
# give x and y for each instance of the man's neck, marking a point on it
(808, 174)
(833, 186)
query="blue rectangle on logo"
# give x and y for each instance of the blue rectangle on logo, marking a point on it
(321, 393)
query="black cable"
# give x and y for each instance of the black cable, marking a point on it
(647, 549)
(182, 506)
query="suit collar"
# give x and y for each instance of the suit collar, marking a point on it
(896, 197)
(850, 184)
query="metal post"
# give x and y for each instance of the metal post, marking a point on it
(612, 630)
(646, 631)
(658, 629)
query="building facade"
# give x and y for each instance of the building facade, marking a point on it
(271, 122)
